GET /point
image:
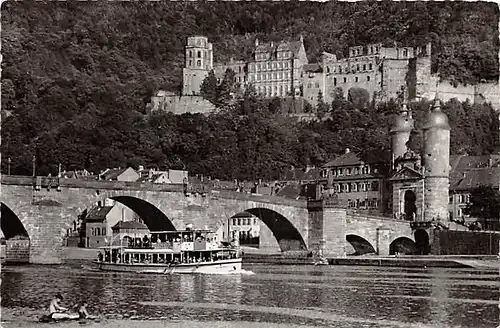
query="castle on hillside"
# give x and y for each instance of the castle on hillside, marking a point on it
(282, 70)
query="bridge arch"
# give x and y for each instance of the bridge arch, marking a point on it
(151, 215)
(286, 234)
(402, 245)
(17, 239)
(11, 225)
(361, 245)
(422, 242)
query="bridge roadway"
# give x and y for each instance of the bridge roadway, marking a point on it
(43, 211)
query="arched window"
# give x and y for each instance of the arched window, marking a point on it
(198, 63)
(370, 66)
(334, 81)
(199, 54)
(190, 54)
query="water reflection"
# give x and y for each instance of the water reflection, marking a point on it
(328, 296)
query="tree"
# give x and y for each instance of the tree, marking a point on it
(485, 205)
(359, 97)
(322, 108)
(225, 90)
(209, 88)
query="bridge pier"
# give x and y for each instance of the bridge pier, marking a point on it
(45, 229)
(327, 229)
(17, 250)
(383, 241)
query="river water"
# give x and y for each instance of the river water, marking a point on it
(328, 296)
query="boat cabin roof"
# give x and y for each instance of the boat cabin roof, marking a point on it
(183, 231)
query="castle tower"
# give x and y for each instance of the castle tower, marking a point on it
(400, 133)
(199, 62)
(436, 162)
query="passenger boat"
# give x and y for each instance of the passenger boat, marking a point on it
(168, 252)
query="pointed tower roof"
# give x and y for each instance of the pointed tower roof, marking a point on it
(436, 118)
(403, 122)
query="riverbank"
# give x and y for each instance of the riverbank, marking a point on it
(26, 317)
(481, 262)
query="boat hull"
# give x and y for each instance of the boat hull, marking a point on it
(218, 267)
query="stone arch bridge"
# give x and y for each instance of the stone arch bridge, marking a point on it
(41, 210)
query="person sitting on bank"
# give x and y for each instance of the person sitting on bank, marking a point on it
(83, 313)
(57, 311)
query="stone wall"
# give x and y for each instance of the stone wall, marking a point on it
(181, 104)
(17, 251)
(448, 242)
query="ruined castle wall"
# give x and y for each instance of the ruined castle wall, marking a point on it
(489, 92)
(394, 76)
(423, 76)
(184, 104)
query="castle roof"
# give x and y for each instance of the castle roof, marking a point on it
(293, 46)
(313, 68)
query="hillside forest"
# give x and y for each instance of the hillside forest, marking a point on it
(76, 78)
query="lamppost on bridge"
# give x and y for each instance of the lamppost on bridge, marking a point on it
(34, 165)
(8, 165)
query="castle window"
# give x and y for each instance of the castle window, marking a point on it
(103, 231)
(280, 75)
(280, 65)
(286, 64)
(190, 54)
(364, 67)
(269, 76)
(405, 53)
(354, 187)
(274, 65)
(274, 75)
(258, 67)
(239, 79)
(198, 63)
(190, 62)
(340, 69)
(370, 66)
(345, 79)
(358, 52)
(353, 52)
(268, 65)
(371, 50)
(199, 54)
(348, 172)
(357, 67)
(356, 79)
(334, 81)
(368, 78)
(327, 69)
(239, 69)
